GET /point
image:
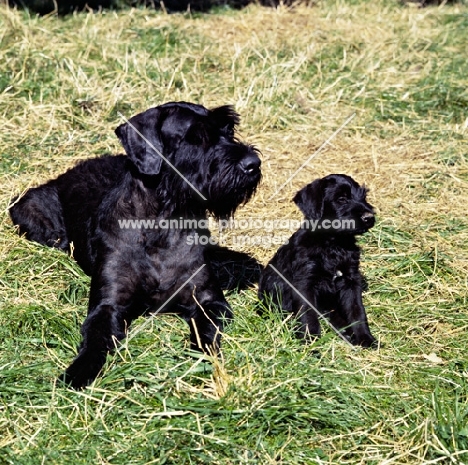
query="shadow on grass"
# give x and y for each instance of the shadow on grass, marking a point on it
(63, 7)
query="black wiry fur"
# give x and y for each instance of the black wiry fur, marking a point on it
(323, 265)
(134, 271)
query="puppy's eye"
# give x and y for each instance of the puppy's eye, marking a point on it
(342, 199)
(228, 131)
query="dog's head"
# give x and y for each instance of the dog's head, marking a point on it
(194, 150)
(338, 204)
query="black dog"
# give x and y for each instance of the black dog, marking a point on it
(183, 161)
(321, 261)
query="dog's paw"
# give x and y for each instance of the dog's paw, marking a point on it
(367, 341)
(82, 372)
(70, 380)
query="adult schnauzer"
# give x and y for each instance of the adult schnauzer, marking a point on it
(317, 272)
(183, 161)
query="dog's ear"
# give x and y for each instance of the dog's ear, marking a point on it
(141, 139)
(225, 117)
(310, 200)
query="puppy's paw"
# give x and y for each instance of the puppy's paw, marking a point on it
(367, 341)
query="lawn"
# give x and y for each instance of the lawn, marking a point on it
(398, 75)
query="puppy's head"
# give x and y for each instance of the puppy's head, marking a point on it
(338, 204)
(196, 151)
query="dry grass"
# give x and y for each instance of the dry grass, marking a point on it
(295, 75)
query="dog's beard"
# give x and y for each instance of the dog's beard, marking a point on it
(228, 206)
(232, 190)
(219, 196)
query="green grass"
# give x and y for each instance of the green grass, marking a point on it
(294, 75)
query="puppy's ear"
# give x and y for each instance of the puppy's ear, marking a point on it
(141, 139)
(310, 200)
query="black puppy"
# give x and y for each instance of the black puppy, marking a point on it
(318, 269)
(182, 162)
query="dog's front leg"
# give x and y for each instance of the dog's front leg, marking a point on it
(309, 323)
(351, 309)
(101, 330)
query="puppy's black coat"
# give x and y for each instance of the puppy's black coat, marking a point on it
(322, 261)
(176, 153)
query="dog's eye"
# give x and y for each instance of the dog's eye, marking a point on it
(342, 199)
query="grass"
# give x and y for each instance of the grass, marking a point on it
(294, 75)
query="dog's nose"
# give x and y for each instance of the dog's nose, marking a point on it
(368, 217)
(250, 164)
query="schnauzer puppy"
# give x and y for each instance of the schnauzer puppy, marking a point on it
(182, 162)
(317, 272)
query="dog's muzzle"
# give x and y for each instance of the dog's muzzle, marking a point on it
(368, 219)
(250, 164)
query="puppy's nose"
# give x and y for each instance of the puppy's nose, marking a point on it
(368, 217)
(250, 163)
